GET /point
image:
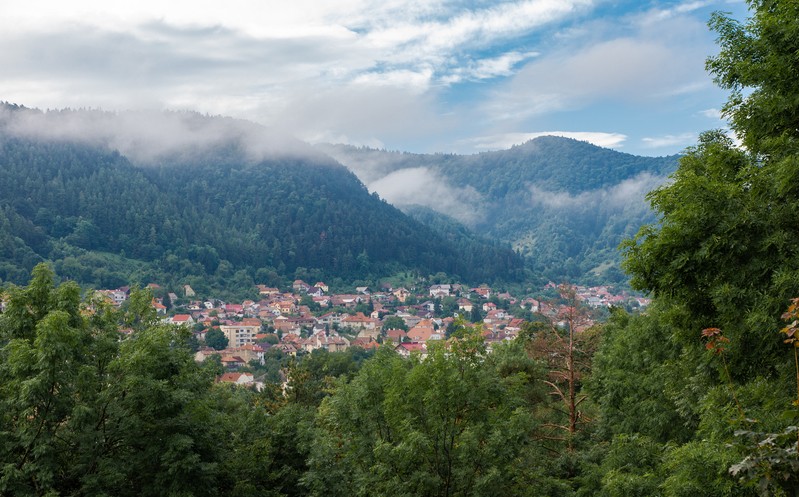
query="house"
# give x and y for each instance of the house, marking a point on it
(401, 294)
(507, 296)
(300, 286)
(267, 290)
(381, 297)
(289, 349)
(396, 336)
(347, 301)
(489, 306)
(595, 302)
(328, 341)
(465, 305)
(330, 319)
(514, 327)
(496, 316)
(116, 297)
(408, 349)
(428, 306)
(251, 352)
(422, 331)
(285, 307)
(204, 353)
(365, 343)
(410, 320)
(238, 379)
(236, 309)
(321, 285)
(160, 309)
(439, 291)
(287, 325)
(182, 319)
(531, 304)
(233, 362)
(322, 301)
(482, 291)
(315, 291)
(363, 323)
(362, 290)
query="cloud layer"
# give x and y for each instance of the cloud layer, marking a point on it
(410, 74)
(629, 193)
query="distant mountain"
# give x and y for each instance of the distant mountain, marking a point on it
(180, 197)
(564, 203)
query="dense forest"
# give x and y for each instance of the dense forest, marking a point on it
(566, 204)
(214, 219)
(698, 396)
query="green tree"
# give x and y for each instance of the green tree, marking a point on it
(85, 412)
(640, 383)
(754, 63)
(724, 256)
(215, 339)
(447, 425)
(476, 315)
(394, 323)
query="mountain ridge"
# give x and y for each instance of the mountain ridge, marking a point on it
(565, 203)
(227, 217)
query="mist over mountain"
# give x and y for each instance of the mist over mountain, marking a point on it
(215, 202)
(564, 203)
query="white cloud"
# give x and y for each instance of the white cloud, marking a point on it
(415, 81)
(507, 140)
(683, 139)
(622, 69)
(658, 15)
(266, 61)
(322, 69)
(475, 26)
(629, 62)
(147, 136)
(629, 193)
(503, 65)
(362, 113)
(711, 113)
(422, 186)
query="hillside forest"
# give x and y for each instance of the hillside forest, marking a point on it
(698, 396)
(563, 203)
(218, 220)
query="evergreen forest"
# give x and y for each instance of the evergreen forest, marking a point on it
(563, 203)
(218, 221)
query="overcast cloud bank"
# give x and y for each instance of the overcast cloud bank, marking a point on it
(426, 76)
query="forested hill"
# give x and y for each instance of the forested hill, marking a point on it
(225, 214)
(566, 203)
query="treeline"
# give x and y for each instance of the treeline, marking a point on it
(222, 222)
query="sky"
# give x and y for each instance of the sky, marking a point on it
(415, 75)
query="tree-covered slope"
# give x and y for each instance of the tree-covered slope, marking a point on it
(566, 203)
(221, 215)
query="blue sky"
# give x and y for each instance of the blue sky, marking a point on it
(421, 76)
